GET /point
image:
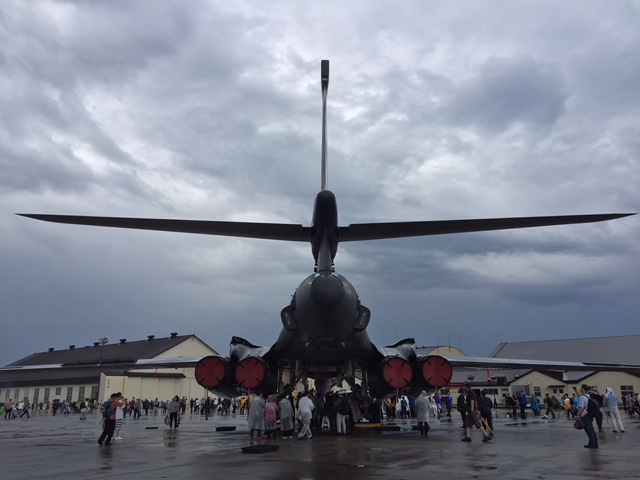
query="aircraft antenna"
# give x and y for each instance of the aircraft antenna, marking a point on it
(324, 78)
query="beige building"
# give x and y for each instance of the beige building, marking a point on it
(97, 371)
(442, 350)
(620, 350)
(539, 383)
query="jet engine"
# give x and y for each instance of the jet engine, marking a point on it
(401, 369)
(251, 373)
(393, 374)
(213, 372)
(245, 370)
(434, 371)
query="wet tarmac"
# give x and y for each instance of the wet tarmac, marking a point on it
(64, 447)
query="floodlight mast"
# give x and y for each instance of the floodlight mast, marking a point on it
(324, 80)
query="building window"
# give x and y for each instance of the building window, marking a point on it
(36, 397)
(536, 391)
(626, 390)
(81, 393)
(94, 392)
(69, 394)
(1, 392)
(16, 394)
(26, 394)
(46, 395)
(491, 391)
(58, 391)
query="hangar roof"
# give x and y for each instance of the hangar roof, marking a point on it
(622, 350)
(110, 353)
(83, 365)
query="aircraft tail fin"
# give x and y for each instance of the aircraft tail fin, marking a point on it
(324, 80)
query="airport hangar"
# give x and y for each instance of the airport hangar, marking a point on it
(96, 371)
(616, 350)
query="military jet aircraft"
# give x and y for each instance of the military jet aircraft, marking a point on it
(324, 334)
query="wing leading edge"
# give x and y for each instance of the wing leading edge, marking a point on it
(299, 233)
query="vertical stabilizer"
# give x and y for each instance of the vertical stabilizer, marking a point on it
(324, 77)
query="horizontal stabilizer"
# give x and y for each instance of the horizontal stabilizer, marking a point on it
(268, 231)
(378, 231)
(352, 233)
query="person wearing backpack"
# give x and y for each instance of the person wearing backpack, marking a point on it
(108, 420)
(342, 412)
(270, 416)
(583, 413)
(597, 413)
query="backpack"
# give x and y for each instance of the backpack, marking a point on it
(343, 407)
(270, 411)
(598, 398)
(593, 409)
(107, 409)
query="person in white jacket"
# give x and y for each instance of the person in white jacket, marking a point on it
(611, 407)
(421, 408)
(305, 409)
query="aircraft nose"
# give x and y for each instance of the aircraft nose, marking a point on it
(326, 290)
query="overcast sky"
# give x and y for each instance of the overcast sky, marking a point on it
(212, 111)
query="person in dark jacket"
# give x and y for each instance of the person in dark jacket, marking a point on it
(461, 406)
(549, 404)
(598, 398)
(485, 405)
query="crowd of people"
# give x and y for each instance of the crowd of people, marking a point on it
(12, 409)
(339, 412)
(592, 406)
(309, 410)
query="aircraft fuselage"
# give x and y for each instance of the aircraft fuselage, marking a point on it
(325, 318)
